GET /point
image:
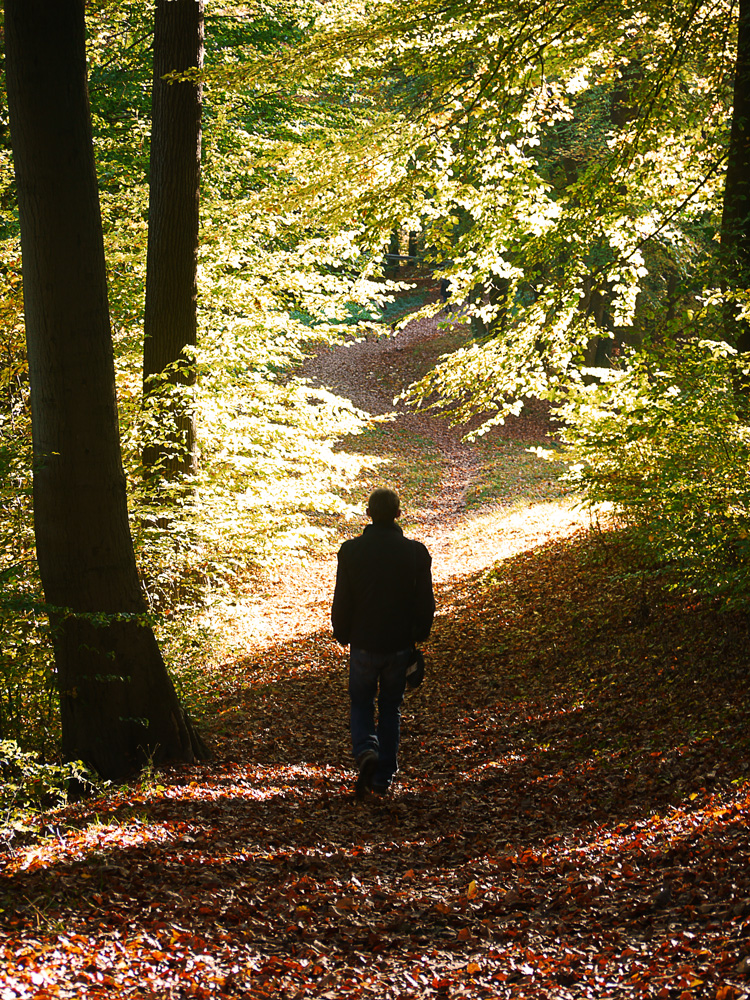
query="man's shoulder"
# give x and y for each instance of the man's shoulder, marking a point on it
(420, 545)
(366, 540)
(349, 545)
(421, 549)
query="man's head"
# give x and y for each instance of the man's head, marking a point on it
(383, 505)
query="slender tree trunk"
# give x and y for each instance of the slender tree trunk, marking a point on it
(118, 705)
(170, 322)
(413, 247)
(735, 220)
(495, 289)
(392, 261)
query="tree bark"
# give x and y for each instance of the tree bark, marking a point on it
(413, 247)
(735, 220)
(118, 705)
(170, 317)
(495, 289)
(392, 256)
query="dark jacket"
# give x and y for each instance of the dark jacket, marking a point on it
(383, 600)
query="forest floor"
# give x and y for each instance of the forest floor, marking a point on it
(571, 815)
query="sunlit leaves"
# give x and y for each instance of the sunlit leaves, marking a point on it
(662, 440)
(576, 149)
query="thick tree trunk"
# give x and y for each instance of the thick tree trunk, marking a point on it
(118, 704)
(735, 220)
(170, 321)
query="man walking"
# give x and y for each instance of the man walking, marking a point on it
(383, 603)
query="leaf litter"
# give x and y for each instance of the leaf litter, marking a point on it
(570, 819)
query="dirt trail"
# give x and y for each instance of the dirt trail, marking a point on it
(342, 371)
(460, 541)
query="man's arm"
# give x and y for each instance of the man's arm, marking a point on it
(424, 599)
(341, 609)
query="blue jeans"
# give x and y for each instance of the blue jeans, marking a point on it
(365, 671)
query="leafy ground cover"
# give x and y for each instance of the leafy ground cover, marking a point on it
(570, 819)
(412, 460)
(508, 469)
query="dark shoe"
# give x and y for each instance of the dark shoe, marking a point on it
(367, 764)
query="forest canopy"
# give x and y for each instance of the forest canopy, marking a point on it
(576, 171)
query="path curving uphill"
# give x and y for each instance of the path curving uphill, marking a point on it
(463, 539)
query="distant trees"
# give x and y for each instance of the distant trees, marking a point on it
(572, 152)
(118, 704)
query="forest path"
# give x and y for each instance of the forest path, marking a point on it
(438, 470)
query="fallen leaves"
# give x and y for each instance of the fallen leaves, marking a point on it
(570, 820)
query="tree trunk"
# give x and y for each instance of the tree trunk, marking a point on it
(413, 247)
(495, 290)
(735, 220)
(392, 256)
(118, 705)
(170, 321)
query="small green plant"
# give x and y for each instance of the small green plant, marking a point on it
(30, 786)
